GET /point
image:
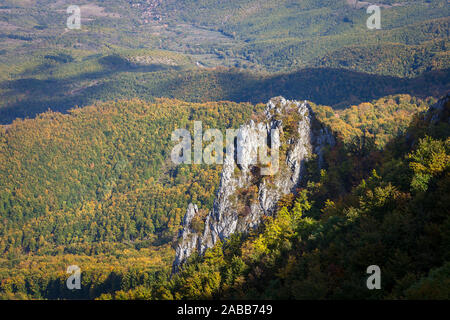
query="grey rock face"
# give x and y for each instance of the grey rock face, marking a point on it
(436, 113)
(188, 237)
(245, 195)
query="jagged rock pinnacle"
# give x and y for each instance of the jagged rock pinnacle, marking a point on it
(244, 196)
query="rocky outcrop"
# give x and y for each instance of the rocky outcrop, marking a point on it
(439, 112)
(188, 237)
(250, 190)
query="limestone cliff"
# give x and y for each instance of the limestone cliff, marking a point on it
(247, 192)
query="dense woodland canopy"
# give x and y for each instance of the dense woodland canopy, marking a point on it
(97, 187)
(393, 213)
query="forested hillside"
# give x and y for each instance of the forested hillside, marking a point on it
(283, 34)
(87, 114)
(367, 207)
(98, 184)
(335, 87)
(317, 50)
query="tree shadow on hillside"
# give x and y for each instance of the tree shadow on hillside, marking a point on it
(341, 88)
(338, 88)
(64, 94)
